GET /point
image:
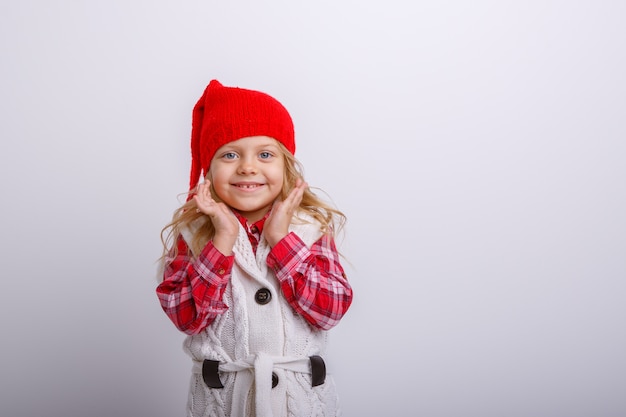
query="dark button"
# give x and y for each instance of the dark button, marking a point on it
(263, 296)
(274, 380)
(254, 229)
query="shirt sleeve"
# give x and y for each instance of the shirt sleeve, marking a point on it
(192, 290)
(312, 279)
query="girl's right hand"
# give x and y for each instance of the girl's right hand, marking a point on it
(225, 223)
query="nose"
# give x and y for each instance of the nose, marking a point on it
(247, 166)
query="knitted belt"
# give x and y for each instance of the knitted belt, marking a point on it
(260, 372)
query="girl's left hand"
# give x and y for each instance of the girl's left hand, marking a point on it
(277, 224)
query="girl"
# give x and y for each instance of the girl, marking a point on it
(251, 271)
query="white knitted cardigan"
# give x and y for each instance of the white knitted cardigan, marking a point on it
(249, 332)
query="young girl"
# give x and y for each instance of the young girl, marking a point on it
(251, 271)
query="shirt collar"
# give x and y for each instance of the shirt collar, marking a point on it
(256, 227)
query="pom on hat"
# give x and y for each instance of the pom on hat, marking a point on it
(225, 114)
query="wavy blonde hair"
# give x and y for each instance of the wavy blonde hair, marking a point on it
(331, 219)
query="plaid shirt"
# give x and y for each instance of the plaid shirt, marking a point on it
(312, 281)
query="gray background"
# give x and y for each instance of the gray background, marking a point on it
(478, 149)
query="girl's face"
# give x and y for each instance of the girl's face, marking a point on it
(247, 175)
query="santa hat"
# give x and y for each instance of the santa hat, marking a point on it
(225, 114)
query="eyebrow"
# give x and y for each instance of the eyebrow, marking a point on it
(268, 144)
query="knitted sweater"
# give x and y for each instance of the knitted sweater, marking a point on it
(248, 331)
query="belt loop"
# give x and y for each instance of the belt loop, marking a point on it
(210, 374)
(318, 370)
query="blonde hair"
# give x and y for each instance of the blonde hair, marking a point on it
(330, 219)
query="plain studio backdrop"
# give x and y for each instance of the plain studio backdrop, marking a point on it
(478, 149)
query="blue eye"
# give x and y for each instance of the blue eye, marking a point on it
(229, 155)
(265, 155)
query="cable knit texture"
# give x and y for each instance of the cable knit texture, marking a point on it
(248, 328)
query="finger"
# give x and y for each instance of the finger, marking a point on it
(298, 188)
(200, 192)
(196, 200)
(297, 193)
(205, 192)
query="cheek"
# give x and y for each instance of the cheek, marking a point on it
(217, 181)
(278, 175)
(216, 175)
(278, 179)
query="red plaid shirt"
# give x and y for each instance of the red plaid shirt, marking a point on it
(312, 281)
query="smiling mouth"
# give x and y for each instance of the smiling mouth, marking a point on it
(248, 186)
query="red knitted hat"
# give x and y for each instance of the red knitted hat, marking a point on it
(225, 114)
